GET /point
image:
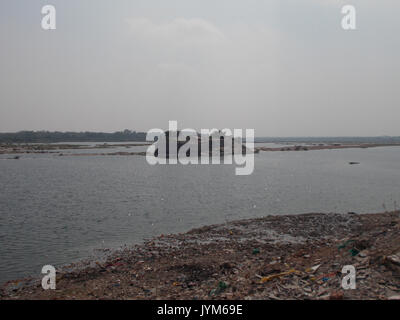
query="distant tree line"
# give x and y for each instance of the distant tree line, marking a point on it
(50, 137)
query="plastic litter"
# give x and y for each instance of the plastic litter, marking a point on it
(278, 275)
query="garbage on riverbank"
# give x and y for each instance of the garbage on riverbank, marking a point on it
(276, 257)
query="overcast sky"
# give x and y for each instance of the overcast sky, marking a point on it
(281, 67)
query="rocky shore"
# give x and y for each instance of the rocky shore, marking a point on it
(58, 149)
(275, 257)
(328, 147)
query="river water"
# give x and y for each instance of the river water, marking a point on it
(55, 210)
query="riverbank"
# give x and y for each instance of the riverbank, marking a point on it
(276, 257)
(328, 147)
(59, 149)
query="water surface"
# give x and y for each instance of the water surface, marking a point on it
(54, 210)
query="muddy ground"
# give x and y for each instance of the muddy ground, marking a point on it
(276, 257)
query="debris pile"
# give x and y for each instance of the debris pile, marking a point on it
(275, 257)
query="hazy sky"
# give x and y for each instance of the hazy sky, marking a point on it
(281, 67)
